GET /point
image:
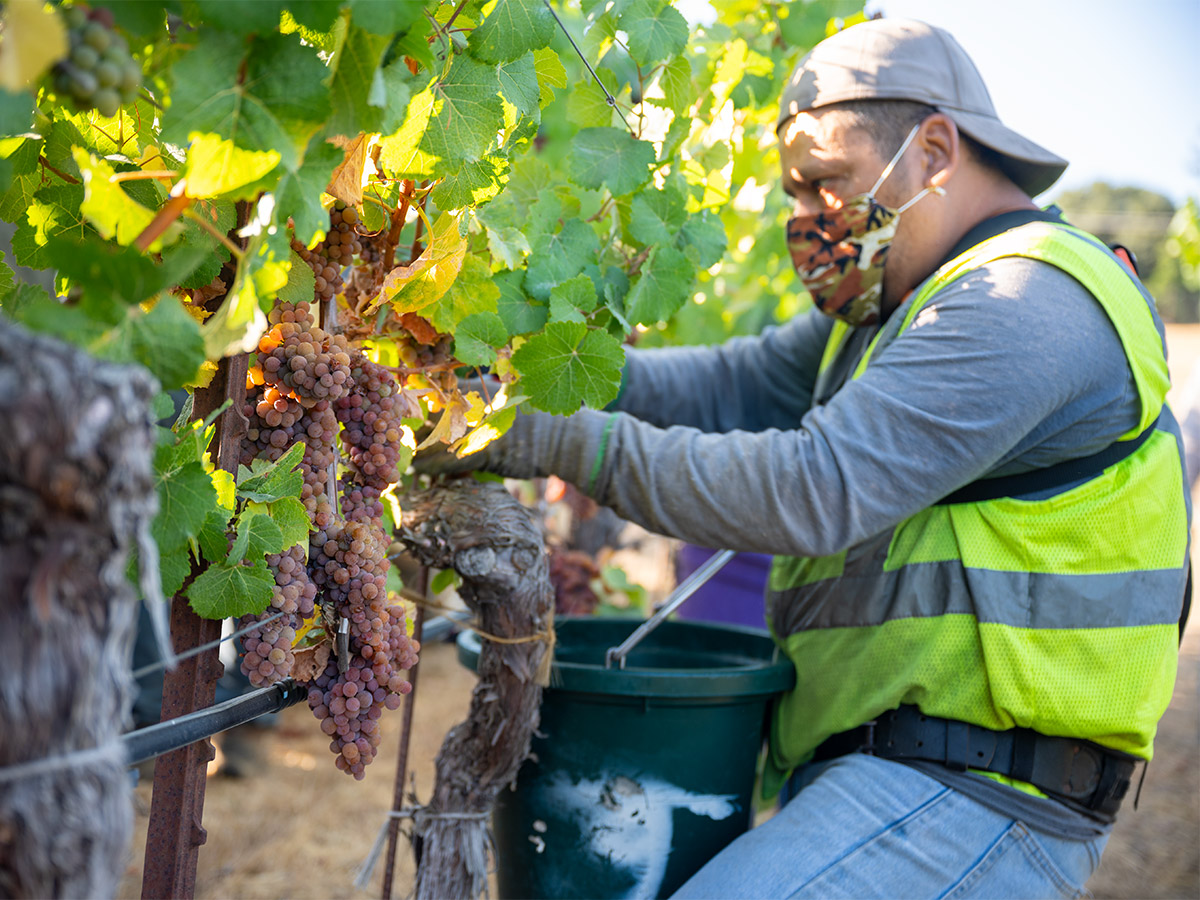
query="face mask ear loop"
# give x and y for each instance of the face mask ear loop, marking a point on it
(895, 159)
(938, 189)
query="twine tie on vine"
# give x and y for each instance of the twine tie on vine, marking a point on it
(418, 814)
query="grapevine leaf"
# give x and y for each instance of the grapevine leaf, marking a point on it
(112, 211)
(474, 182)
(213, 537)
(476, 337)
(298, 194)
(418, 286)
(587, 105)
(6, 277)
(347, 180)
(212, 255)
(248, 18)
(166, 340)
(226, 487)
(703, 238)
(293, 521)
(238, 324)
(519, 312)
(263, 95)
(467, 111)
(275, 481)
(18, 198)
(112, 277)
(185, 497)
(656, 215)
(16, 111)
(662, 287)
(52, 213)
(512, 28)
(355, 70)
(519, 84)
(676, 84)
(301, 283)
(472, 292)
(568, 365)
(215, 167)
(507, 244)
(557, 257)
(173, 569)
(656, 31)
(385, 18)
(400, 153)
(223, 591)
(612, 157)
(571, 299)
(550, 74)
(257, 536)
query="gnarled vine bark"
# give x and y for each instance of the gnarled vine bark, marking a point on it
(76, 486)
(494, 544)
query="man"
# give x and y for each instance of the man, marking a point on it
(963, 463)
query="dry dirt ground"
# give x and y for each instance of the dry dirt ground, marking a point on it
(299, 828)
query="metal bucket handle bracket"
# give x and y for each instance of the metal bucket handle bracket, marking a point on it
(686, 588)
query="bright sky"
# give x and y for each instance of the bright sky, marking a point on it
(1111, 85)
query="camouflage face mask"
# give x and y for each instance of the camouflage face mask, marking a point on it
(840, 253)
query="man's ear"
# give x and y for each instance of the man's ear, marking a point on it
(940, 150)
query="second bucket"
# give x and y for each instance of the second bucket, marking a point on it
(638, 776)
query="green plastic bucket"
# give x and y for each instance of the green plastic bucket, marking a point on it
(638, 776)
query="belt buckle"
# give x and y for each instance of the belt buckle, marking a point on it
(868, 746)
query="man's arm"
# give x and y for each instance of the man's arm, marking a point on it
(747, 383)
(1017, 366)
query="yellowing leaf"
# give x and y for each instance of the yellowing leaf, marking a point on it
(237, 325)
(417, 287)
(216, 167)
(204, 375)
(347, 181)
(34, 39)
(451, 426)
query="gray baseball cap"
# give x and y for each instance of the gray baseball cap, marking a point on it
(903, 59)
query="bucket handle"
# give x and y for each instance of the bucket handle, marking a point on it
(689, 586)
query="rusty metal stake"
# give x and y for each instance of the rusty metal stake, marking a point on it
(177, 804)
(422, 586)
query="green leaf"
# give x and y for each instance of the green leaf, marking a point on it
(53, 212)
(568, 365)
(473, 183)
(265, 94)
(277, 480)
(519, 84)
(703, 238)
(467, 111)
(298, 194)
(186, 496)
(557, 257)
(571, 299)
(238, 323)
(166, 340)
(174, 568)
(213, 537)
(301, 283)
(676, 84)
(355, 71)
(472, 292)
(16, 111)
(609, 156)
(656, 30)
(662, 288)
(110, 276)
(587, 105)
(293, 521)
(519, 312)
(508, 245)
(385, 17)
(220, 592)
(656, 215)
(512, 28)
(446, 578)
(257, 536)
(400, 153)
(195, 245)
(215, 167)
(476, 337)
(6, 277)
(550, 74)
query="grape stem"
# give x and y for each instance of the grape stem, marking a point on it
(143, 174)
(63, 175)
(172, 210)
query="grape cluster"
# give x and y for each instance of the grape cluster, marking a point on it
(99, 72)
(308, 385)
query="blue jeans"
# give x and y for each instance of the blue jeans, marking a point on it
(868, 827)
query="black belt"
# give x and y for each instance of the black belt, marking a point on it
(1079, 773)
